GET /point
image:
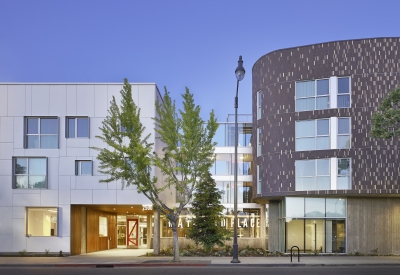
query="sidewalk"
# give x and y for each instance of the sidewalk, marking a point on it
(126, 258)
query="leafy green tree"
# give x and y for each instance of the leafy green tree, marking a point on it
(386, 121)
(187, 153)
(129, 156)
(206, 207)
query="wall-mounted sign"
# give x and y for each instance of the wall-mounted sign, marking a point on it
(146, 207)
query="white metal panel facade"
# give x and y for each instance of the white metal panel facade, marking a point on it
(64, 188)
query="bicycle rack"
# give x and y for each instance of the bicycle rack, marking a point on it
(298, 253)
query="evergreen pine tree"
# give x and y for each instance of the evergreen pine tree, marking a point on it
(206, 226)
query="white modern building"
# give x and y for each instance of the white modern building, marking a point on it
(50, 195)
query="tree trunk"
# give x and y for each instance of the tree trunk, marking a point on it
(176, 244)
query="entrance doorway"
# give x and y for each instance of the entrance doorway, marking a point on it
(105, 227)
(132, 232)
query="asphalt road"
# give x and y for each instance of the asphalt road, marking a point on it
(209, 270)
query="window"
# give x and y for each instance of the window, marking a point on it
(259, 142)
(343, 176)
(313, 224)
(259, 179)
(83, 167)
(313, 174)
(312, 95)
(42, 221)
(323, 94)
(316, 174)
(103, 227)
(343, 139)
(29, 173)
(343, 97)
(77, 127)
(259, 101)
(312, 135)
(41, 132)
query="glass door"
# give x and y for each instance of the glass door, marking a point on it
(336, 236)
(132, 233)
(315, 235)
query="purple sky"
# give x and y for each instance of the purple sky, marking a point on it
(174, 43)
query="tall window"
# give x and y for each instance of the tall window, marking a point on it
(343, 97)
(83, 167)
(312, 95)
(259, 101)
(103, 227)
(259, 179)
(42, 221)
(29, 173)
(343, 139)
(343, 176)
(77, 127)
(259, 142)
(313, 174)
(41, 132)
(312, 135)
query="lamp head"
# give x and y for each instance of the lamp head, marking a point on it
(240, 71)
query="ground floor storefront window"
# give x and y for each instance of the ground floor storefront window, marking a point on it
(249, 223)
(313, 224)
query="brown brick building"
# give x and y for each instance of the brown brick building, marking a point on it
(329, 186)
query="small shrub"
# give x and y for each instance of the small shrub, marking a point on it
(47, 251)
(243, 252)
(374, 251)
(22, 252)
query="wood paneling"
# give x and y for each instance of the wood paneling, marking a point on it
(94, 241)
(76, 226)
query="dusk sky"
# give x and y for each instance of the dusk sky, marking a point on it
(177, 44)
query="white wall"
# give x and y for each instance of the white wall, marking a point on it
(64, 188)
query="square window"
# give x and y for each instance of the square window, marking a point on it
(77, 127)
(312, 95)
(42, 221)
(83, 167)
(41, 132)
(313, 174)
(29, 173)
(312, 134)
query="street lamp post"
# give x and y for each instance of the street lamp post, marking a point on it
(239, 72)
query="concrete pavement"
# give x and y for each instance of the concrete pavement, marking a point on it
(130, 257)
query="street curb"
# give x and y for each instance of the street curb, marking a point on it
(192, 265)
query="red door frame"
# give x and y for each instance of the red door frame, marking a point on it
(134, 241)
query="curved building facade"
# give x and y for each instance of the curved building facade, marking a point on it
(330, 187)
